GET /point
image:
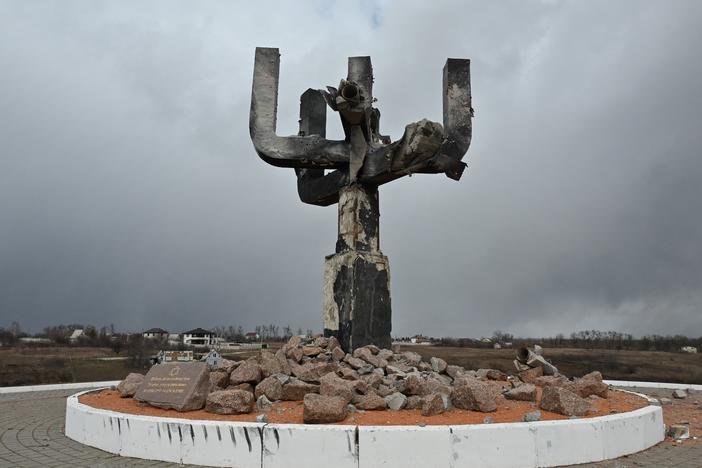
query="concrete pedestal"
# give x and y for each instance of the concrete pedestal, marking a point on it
(357, 277)
(258, 445)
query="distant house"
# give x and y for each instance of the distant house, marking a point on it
(76, 335)
(213, 359)
(689, 349)
(155, 334)
(198, 337)
(420, 339)
(252, 336)
(33, 340)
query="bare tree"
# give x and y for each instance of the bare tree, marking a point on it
(15, 329)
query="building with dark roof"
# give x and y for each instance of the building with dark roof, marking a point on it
(155, 334)
(198, 337)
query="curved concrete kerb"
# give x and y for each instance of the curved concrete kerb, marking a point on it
(255, 445)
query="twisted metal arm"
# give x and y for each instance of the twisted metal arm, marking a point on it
(293, 151)
(365, 155)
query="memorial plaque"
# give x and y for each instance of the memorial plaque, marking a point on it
(182, 386)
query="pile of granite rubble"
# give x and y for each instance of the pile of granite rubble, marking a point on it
(331, 383)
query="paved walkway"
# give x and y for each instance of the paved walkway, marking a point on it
(663, 455)
(31, 435)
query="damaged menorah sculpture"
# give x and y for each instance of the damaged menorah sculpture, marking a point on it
(356, 278)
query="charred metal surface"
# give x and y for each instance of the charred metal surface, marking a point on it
(312, 186)
(357, 306)
(458, 118)
(359, 218)
(348, 172)
(356, 278)
(364, 155)
(316, 188)
(293, 151)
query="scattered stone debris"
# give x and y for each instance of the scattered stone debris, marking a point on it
(247, 387)
(414, 402)
(332, 383)
(532, 416)
(396, 401)
(680, 394)
(219, 380)
(591, 384)
(530, 375)
(432, 404)
(678, 431)
(370, 402)
(271, 387)
(129, 386)
(472, 394)
(562, 401)
(524, 392)
(295, 389)
(230, 402)
(490, 374)
(263, 404)
(320, 409)
(437, 364)
(248, 372)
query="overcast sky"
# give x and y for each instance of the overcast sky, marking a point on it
(130, 192)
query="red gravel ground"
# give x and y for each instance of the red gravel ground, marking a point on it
(291, 411)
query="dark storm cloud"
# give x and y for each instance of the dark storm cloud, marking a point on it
(130, 192)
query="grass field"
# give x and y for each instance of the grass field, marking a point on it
(654, 366)
(32, 366)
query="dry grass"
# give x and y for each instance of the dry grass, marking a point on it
(34, 366)
(31, 366)
(45, 365)
(654, 366)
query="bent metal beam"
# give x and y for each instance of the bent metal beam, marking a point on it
(348, 172)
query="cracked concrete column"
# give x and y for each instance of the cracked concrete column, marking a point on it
(357, 277)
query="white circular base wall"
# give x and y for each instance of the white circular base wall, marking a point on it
(256, 445)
